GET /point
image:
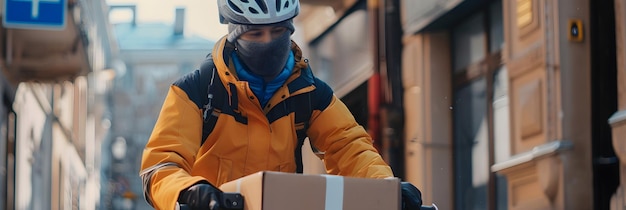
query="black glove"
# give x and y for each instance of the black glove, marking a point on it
(201, 196)
(411, 196)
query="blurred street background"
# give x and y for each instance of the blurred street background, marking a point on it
(481, 104)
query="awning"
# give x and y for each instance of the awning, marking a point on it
(35, 54)
(434, 15)
(342, 56)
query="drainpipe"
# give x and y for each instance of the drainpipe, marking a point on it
(10, 161)
(392, 120)
(386, 115)
(374, 87)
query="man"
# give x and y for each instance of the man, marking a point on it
(239, 114)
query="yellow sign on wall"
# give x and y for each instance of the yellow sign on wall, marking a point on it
(575, 27)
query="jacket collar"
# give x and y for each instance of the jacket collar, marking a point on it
(300, 78)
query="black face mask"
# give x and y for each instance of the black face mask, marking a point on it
(265, 59)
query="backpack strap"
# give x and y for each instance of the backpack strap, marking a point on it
(303, 109)
(214, 98)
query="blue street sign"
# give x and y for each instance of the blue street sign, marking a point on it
(34, 14)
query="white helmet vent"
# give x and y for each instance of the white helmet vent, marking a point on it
(258, 11)
(244, 7)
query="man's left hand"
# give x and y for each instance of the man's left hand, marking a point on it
(411, 196)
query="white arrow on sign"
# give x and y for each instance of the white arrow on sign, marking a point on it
(35, 6)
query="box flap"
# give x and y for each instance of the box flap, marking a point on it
(251, 187)
(293, 191)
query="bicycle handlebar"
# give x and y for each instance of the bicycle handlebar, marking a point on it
(433, 207)
(234, 201)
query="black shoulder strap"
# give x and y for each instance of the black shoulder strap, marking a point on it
(215, 97)
(303, 111)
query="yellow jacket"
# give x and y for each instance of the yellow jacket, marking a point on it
(247, 138)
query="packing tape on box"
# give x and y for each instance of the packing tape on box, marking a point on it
(334, 192)
(238, 188)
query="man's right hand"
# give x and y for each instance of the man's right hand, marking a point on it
(201, 196)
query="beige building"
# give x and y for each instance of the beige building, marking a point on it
(53, 82)
(485, 104)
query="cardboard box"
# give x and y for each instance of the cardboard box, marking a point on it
(288, 191)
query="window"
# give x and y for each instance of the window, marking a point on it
(480, 109)
(342, 56)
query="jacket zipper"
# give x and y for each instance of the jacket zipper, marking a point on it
(263, 106)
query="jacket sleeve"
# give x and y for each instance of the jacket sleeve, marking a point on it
(347, 147)
(170, 152)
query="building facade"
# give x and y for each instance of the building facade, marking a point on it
(53, 117)
(153, 55)
(504, 104)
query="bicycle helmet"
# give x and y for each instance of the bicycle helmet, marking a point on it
(257, 12)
